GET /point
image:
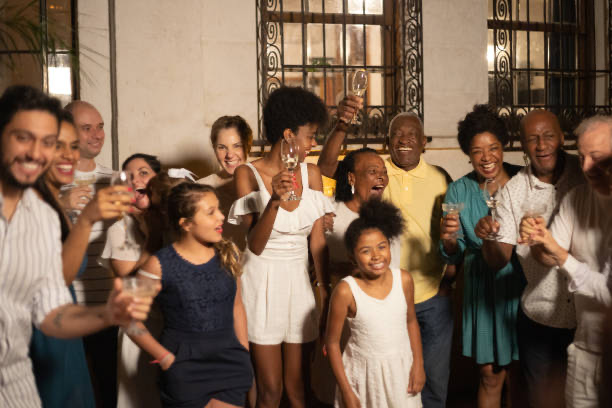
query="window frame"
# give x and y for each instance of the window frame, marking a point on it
(402, 62)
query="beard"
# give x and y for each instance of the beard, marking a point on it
(9, 179)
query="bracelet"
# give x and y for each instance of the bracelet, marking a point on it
(166, 354)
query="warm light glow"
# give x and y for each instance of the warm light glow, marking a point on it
(490, 57)
(59, 81)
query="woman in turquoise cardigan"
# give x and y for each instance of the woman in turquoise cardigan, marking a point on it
(490, 299)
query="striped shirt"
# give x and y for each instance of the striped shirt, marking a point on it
(31, 285)
(94, 285)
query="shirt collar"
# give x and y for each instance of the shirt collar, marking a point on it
(419, 171)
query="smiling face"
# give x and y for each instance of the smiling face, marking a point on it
(229, 150)
(486, 155)
(66, 157)
(305, 138)
(594, 145)
(206, 225)
(370, 176)
(372, 253)
(406, 142)
(542, 139)
(28, 147)
(140, 173)
(90, 128)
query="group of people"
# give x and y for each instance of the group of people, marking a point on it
(342, 300)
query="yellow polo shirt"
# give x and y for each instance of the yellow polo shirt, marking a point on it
(419, 194)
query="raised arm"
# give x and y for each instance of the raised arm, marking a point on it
(260, 225)
(328, 160)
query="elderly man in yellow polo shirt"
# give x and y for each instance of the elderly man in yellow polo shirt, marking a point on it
(418, 189)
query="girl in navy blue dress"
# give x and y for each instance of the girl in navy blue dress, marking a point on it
(204, 348)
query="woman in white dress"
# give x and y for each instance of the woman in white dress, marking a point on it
(136, 378)
(231, 138)
(277, 293)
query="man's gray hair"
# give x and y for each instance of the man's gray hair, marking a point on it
(405, 115)
(593, 121)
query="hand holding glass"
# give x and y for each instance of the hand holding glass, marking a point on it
(359, 84)
(489, 193)
(454, 209)
(291, 158)
(533, 209)
(122, 178)
(138, 287)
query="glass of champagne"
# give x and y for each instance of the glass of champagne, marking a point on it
(359, 84)
(122, 178)
(136, 286)
(454, 209)
(489, 193)
(291, 158)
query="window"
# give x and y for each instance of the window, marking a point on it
(319, 44)
(550, 54)
(38, 46)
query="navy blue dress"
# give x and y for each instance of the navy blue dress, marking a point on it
(60, 368)
(197, 302)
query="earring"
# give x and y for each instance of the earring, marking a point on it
(352, 189)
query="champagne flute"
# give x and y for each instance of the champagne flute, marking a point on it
(122, 178)
(136, 286)
(290, 156)
(359, 84)
(489, 192)
(454, 209)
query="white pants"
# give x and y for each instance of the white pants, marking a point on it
(583, 378)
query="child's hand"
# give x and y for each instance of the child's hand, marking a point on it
(350, 400)
(417, 378)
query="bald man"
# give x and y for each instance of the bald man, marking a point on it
(94, 284)
(547, 318)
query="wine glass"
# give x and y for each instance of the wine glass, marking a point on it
(454, 209)
(359, 84)
(533, 209)
(489, 192)
(290, 156)
(136, 286)
(122, 178)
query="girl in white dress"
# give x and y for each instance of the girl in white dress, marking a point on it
(276, 289)
(382, 364)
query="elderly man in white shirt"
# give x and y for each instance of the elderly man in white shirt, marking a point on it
(32, 286)
(546, 319)
(579, 245)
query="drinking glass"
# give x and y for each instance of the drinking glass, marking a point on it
(489, 192)
(138, 287)
(533, 209)
(290, 156)
(452, 209)
(359, 84)
(122, 178)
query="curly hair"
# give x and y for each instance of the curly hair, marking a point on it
(183, 203)
(233, 122)
(290, 108)
(374, 214)
(346, 166)
(151, 160)
(481, 119)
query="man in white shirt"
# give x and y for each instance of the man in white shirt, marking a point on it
(93, 286)
(579, 246)
(32, 286)
(546, 318)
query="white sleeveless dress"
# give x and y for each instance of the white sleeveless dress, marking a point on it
(378, 358)
(276, 289)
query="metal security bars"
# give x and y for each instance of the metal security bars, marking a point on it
(550, 54)
(318, 44)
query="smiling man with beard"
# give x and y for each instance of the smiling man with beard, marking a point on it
(546, 318)
(417, 189)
